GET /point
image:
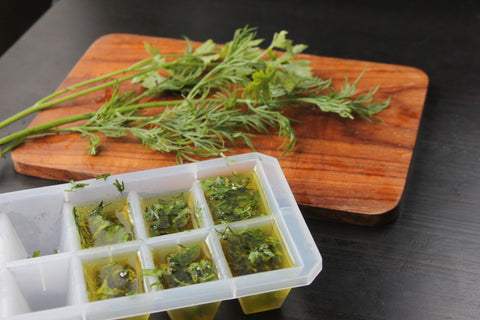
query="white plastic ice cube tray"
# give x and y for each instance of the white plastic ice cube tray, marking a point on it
(52, 286)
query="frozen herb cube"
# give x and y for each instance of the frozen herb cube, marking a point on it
(233, 198)
(106, 223)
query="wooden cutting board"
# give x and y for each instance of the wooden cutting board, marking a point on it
(352, 171)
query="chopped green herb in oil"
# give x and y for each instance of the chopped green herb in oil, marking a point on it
(99, 226)
(233, 198)
(186, 267)
(251, 251)
(168, 215)
(112, 279)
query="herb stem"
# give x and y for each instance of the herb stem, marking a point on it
(140, 68)
(49, 103)
(87, 82)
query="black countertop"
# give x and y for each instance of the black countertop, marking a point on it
(424, 265)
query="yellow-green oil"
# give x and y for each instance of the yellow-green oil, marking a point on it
(270, 300)
(117, 212)
(271, 231)
(185, 196)
(200, 312)
(114, 276)
(254, 184)
(264, 301)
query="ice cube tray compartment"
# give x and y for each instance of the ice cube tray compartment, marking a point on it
(54, 286)
(34, 216)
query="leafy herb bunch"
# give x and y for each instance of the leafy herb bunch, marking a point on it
(227, 94)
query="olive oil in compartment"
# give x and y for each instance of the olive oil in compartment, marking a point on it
(254, 249)
(104, 223)
(235, 197)
(169, 214)
(182, 266)
(112, 277)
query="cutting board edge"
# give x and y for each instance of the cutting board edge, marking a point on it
(352, 218)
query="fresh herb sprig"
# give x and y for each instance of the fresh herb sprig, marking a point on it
(227, 93)
(76, 186)
(119, 185)
(103, 177)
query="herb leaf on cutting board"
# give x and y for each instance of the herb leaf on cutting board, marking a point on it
(226, 94)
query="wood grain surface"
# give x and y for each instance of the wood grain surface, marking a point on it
(346, 170)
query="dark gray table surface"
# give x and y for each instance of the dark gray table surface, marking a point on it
(424, 265)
